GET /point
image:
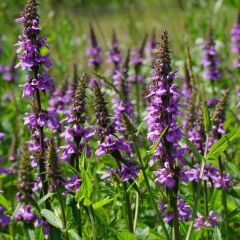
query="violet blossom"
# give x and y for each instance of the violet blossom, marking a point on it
(235, 41)
(210, 60)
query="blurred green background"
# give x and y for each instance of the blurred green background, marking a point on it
(65, 23)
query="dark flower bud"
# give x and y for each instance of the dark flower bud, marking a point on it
(25, 175)
(53, 167)
(79, 100)
(100, 106)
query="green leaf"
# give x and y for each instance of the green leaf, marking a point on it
(207, 119)
(221, 145)
(85, 191)
(74, 235)
(232, 214)
(142, 233)
(126, 235)
(233, 193)
(5, 202)
(195, 152)
(102, 203)
(52, 218)
(217, 234)
(213, 198)
(153, 148)
(43, 199)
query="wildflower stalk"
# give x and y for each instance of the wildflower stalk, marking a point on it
(132, 134)
(117, 155)
(62, 207)
(136, 212)
(150, 191)
(194, 211)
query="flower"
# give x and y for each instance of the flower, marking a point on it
(235, 41)
(184, 211)
(94, 51)
(210, 60)
(25, 214)
(4, 220)
(210, 221)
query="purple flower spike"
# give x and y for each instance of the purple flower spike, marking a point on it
(210, 60)
(114, 53)
(235, 41)
(94, 51)
(163, 110)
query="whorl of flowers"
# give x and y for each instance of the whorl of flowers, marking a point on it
(210, 60)
(152, 44)
(211, 174)
(53, 170)
(138, 54)
(210, 221)
(25, 176)
(184, 211)
(25, 186)
(25, 214)
(94, 51)
(115, 53)
(137, 59)
(235, 41)
(162, 112)
(60, 99)
(109, 142)
(219, 117)
(76, 134)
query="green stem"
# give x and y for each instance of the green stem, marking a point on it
(77, 216)
(224, 197)
(151, 192)
(92, 223)
(194, 212)
(59, 196)
(136, 212)
(173, 200)
(206, 203)
(128, 208)
(137, 99)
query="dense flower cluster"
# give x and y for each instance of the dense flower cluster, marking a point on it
(210, 61)
(109, 142)
(94, 51)
(210, 221)
(76, 135)
(211, 174)
(4, 220)
(115, 53)
(162, 112)
(183, 211)
(235, 41)
(122, 104)
(25, 214)
(9, 72)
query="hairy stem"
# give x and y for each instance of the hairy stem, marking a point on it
(151, 192)
(224, 197)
